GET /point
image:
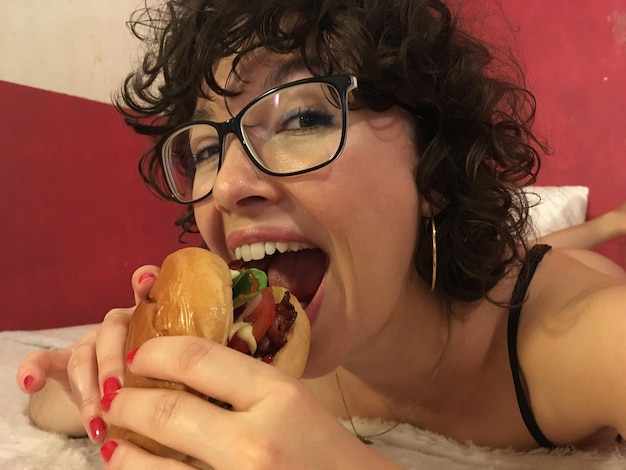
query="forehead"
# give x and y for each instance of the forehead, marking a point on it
(257, 72)
(260, 70)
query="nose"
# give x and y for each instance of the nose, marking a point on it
(239, 184)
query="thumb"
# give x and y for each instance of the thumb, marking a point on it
(143, 280)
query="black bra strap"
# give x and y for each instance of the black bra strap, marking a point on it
(535, 255)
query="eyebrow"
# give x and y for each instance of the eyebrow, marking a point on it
(203, 114)
(279, 76)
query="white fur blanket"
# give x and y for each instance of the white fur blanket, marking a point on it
(23, 447)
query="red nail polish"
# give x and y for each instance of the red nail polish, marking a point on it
(146, 277)
(28, 381)
(107, 449)
(106, 400)
(97, 427)
(110, 386)
(131, 356)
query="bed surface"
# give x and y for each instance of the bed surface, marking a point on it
(23, 447)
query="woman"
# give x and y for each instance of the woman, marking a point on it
(383, 147)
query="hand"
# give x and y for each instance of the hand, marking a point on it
(85, 372)
(277, 422)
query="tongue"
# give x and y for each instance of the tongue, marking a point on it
(299, 272)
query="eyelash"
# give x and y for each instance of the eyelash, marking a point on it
(322, 117)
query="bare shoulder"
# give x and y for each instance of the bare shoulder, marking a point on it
(568, 275)
(594, 261)
(571, 345)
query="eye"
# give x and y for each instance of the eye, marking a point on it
(206, 155)
(307, 119)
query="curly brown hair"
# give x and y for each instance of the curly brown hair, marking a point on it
(474, 136)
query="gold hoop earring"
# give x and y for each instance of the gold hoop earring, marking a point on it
(433, 279)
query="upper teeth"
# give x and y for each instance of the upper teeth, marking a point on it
(256, 251)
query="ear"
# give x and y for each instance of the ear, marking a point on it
(428, 209)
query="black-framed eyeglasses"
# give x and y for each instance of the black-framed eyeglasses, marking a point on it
(292, 129)
(289, 130)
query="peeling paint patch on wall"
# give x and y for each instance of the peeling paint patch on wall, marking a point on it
(619, 27)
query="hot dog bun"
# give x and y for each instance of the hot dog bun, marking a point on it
(193, 296)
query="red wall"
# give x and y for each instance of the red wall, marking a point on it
(575, 56)
(77, 220)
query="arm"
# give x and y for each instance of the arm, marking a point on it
(596, 363)
(66, 387)
(51, 409)
(274, 416)
(571, 348)
(52, 406)
(276, 421)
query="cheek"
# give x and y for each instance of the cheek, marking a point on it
(386, 226)
(374, 215)
(374, 180)
(211, 227)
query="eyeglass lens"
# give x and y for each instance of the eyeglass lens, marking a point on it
(289, 131)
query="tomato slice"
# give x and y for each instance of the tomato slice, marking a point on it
(263, 315)
(260, 318)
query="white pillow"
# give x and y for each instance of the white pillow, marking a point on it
(556, 207)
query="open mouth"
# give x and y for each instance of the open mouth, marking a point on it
(296, 267)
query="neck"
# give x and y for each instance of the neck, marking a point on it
(434, 348)
(414, 340)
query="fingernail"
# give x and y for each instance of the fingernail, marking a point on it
(130, 357)
(106, 400)
(28, 381)
(111, 385)
(109, 390)
(107, 449)
(146, 277)
(97, 427)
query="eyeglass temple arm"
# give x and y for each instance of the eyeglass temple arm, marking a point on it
(395, 101)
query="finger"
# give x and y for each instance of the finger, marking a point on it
(123, 454)
(143, 280)
(210, 368)
(110, 349)
(40, 365)
(111, 340)
(82, 372)
(177, 419)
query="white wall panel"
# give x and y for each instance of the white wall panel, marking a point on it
(77, 47)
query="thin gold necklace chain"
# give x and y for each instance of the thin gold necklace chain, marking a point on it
(363, 439)
(366, 439)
